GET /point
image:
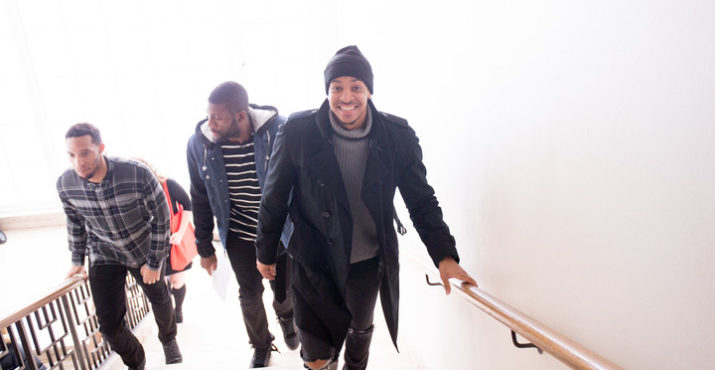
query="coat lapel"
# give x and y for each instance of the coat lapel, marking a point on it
(324, 167)
(376, 170)
(323, 164)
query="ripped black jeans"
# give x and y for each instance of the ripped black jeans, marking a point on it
(361, 291)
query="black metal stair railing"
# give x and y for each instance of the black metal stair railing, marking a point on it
(61, 330)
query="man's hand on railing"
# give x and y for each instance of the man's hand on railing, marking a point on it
(148, 275)
(75, 270)
(449, 268)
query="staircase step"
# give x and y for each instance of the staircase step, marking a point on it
(279, 361)
(213, 336)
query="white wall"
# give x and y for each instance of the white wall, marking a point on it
(572, 146)
(141, 71)
(570, 143)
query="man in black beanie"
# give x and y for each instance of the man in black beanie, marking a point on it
(336, 170)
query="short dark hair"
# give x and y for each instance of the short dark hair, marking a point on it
(84, 128)
(232, 95)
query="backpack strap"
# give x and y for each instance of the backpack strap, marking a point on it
(166, 193)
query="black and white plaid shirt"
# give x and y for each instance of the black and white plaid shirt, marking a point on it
(123, 220)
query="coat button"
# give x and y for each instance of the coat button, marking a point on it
(330, 242)
(325, 214)
(208, 177)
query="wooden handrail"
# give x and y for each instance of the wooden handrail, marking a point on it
(543, 337)
(562, 348)
(60, 290)
(46, 326)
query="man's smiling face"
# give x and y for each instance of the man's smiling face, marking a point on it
(348, 101)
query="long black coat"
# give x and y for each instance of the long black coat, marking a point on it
(304, 178)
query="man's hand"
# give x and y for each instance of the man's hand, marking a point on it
(176, 238)
(268, 271)
(76, 269)
(449, 268)
(148, 275)
(209, 264)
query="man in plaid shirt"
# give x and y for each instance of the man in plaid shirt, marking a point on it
(118, 215)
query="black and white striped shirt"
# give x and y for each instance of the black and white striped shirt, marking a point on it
(243, 189)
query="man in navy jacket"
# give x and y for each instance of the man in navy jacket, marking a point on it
(228, 157)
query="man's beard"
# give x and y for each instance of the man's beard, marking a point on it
(96, 168)
(233, 131)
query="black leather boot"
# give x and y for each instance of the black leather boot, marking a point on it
(179, 295)
(357, 348)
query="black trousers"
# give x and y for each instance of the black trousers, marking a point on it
(107, 285)
(360, 298)
(242, 255)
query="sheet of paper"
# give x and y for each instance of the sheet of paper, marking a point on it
(222, 275)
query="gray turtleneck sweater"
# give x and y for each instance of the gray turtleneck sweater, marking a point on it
(351, 149)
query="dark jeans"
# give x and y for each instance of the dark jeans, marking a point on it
(107, 284)
(242, 255)
(361, 291)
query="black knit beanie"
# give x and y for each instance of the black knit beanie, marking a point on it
(348, 61)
